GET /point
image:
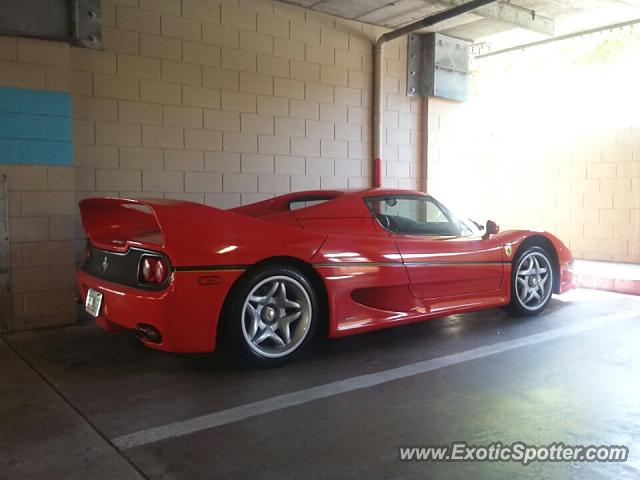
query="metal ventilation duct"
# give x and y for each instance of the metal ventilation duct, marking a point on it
(438, 66)
(77, 21)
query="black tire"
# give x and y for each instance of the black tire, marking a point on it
(240, 320)
(517, 305)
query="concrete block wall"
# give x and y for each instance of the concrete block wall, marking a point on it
(5, 292)
(42, 246)
(232, 102)
(583, 187)
(41, 198)
(223, 103)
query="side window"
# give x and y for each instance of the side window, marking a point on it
(435, 214)
(412, 215)
(298, 204)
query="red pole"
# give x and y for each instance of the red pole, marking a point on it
(377, 173)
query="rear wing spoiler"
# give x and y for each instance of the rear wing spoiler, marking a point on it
(191, 233)
(115, 222)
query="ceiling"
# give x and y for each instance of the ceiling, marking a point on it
(505, 23)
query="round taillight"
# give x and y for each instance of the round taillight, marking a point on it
(161, 271)
(154, 270)
(149, 269)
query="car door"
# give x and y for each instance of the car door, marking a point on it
(449, 267)
(441, 261)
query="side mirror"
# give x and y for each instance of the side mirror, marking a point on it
(491, 229)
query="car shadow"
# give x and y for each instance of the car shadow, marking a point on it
(84, 346)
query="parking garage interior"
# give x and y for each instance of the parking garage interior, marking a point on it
(229, 102)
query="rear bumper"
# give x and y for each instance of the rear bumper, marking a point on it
(186, 313)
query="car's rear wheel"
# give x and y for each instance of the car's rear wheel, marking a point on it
(531, 281)
(272, 316)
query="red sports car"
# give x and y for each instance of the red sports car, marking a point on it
(270, 275)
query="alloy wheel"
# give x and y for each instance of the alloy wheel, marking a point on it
(276, 316)
(534, 280)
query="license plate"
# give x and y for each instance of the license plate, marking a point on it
(93, 303)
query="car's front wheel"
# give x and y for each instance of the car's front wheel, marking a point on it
(531, 281)
(272, 315)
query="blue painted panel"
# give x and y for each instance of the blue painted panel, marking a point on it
(44, 103)
(58, 128)
(8, 99)
(9, 125)
(20, 125)
(35, 127)
(45, 152)
(9, 151)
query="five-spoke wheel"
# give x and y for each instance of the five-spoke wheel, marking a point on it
(272, 315)
(276, 316)
(532, 281)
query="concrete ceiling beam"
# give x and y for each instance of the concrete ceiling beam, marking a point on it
(513, 15)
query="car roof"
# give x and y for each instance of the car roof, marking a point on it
(346, 204)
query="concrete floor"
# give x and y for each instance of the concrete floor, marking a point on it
(67, 394)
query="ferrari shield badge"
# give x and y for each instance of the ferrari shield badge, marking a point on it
(507, 250)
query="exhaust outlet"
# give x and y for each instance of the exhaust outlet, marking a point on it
(148, 333)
